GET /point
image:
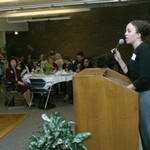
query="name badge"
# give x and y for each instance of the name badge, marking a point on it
(133, 56)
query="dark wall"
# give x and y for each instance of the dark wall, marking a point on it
(16, 44)
(94, 32)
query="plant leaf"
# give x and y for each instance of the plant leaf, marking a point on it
(80, 137)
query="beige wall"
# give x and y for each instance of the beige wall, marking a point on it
(94, 32)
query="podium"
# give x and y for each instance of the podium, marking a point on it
(106, 108)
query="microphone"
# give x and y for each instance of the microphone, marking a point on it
(120, 42)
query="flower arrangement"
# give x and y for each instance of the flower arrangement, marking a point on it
(47, 68)
(57, 134)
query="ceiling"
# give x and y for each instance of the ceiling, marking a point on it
(23, 10)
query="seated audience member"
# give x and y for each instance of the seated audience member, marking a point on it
(86, 63)
(30, 64)
(66, 87)
(59, 61)
(78, 63)
(68, 65)
(13, 75)
(42, 60)
(52, 63)
(21, 63)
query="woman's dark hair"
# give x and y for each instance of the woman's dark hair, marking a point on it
(142, 26)
(12, 58)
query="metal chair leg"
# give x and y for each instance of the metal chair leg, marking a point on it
(47, 100)
(31, 100)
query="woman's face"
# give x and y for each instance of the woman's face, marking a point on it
(13, 63)
(131, 35)
(86, 62)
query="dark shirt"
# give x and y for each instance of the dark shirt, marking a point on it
(139, 69)
(76, 63)
(13, 76)
(67, 67)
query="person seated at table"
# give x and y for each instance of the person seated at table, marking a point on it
(78, 63)
(59, 61)
(86, 63)
(21, 63)
(27, 66)
(52, 63)
(68, 65)
(30, 64)
(13, 75)
(50, 66)
(66, 87)
(42, 60)
(51, 60)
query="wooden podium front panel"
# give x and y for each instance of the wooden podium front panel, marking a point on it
(107, 110)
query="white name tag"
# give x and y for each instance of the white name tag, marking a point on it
(133, 56)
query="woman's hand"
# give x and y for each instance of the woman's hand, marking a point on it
(118, 58)
(21, 83)
(116, 54)
(131, 87)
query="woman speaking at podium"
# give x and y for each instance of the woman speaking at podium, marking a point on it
(138, 69)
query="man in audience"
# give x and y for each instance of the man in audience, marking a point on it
(78, 63)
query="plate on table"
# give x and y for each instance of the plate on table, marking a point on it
(49, 73)
(65, 74)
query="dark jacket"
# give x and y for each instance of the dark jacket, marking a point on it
(12, 76)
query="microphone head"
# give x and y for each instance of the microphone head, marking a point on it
(121, 41)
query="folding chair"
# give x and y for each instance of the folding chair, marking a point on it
(10, 93)
(2, 94)
(39, 86)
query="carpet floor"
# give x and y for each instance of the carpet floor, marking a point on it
(9, 122)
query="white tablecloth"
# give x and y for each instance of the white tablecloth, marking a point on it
(49, 79)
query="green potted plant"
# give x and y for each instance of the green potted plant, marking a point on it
(57, 134)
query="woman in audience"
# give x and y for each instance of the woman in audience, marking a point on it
(59, 61)
(13, 75)
(42, 60)
(86, 63)
(30, 64)
(52, 63)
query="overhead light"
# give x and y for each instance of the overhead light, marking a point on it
(39, 19)
(16, 33)
(4, 1)
(41, 12)
(38, 5)
(44, 12)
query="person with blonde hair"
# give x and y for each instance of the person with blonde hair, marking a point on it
(59, 61)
